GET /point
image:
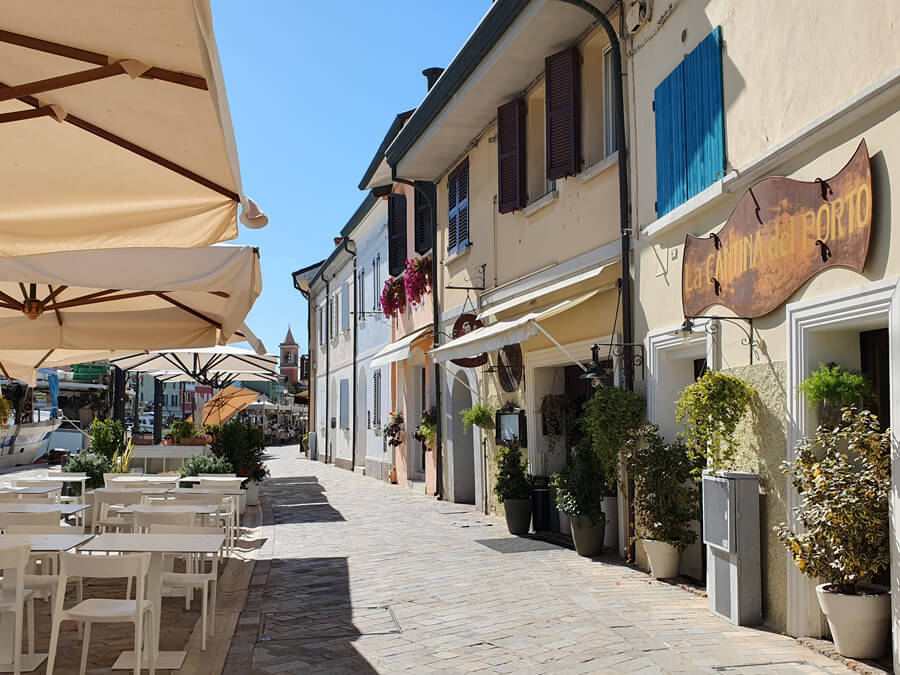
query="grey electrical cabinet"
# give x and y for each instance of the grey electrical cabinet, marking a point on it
(313, 445)
(731, 535)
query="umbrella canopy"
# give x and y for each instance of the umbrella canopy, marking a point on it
(115, 126)
(201, 365)
(215, 378)
(126, 299)
(226, 404)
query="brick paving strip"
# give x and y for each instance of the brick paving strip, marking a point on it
(358, 576)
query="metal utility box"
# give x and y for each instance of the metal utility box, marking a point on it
(313, 445)
(731, 535)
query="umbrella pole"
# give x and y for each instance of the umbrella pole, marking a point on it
(157, 410)
(119, 394)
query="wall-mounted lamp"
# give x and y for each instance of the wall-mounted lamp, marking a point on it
(687, 329)
(599, 373)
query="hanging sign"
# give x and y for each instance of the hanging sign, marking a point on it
(781, 233)
(466, 323)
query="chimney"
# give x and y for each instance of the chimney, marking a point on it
(338, 240)
(432, 74)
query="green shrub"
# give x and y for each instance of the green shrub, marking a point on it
(844, 478)
(580, 486)
(198, 464)
(479, 415)
(665, 501)
(710, 410)
(93, 464)
(243, 446)
(835, 386)
(607, 418)
(183, 429)
(107, 436)
(513, 481)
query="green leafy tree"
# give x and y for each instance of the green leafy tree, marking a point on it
(666, 499)
(107, 437)
(243, 446)
(710, 410)
(513, 481)
(844, 478)
(91, 463)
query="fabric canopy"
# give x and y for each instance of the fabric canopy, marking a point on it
(398, 350)
(115, 128)
(503, 333)
(226, 404)
(215, 378)
(126, 298)
(201, 365)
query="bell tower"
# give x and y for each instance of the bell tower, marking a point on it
(290, 351)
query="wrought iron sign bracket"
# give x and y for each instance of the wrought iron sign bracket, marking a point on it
(473, 287)
(713, 329)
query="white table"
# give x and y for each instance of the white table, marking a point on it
(40, 543)
(147, 491)
(36, 490)
(126, 478)
(198, 509)
(64, 509)
(156, 545)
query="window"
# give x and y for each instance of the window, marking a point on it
(690, 127)
(423, 228)
(376, 283)
(361, 290)
(458, 208)
(322, 325)
(563, 113)
(609, 104)
(345, 404)
(345, 307)
(511, 176)
(376, 399)
(396, 234)
(535, 143)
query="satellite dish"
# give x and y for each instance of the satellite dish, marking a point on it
(466, 323)
(509, 367)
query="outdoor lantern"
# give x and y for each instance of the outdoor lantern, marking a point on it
(511, 424)
(685, 330)
(599, 374)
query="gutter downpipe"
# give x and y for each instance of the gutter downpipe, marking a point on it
(435, 310)
(311, 406)
(327, 361)
(625, 227)
(352, 252)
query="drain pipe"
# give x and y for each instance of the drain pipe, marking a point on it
(346, 244)
(624, 225)
(327, 362)
(435, 310)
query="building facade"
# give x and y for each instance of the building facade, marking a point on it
(289, 363)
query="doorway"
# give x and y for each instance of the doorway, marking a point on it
(462, 446)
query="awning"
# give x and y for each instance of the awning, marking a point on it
(399, 350)
(497, 335)
(525, 298)
(115, 128)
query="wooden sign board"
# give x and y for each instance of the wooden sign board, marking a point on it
(781, 233)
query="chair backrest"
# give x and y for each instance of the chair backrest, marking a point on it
(46, 518)
(134, 565)
(123, 497)
(107, 478)
(223, 485)
(65, 474)
(16, 558)
(43, 529)
(160, 528)
(145, 521)
(217, 475)
(6, 497)
(39, 482)
(188, 498)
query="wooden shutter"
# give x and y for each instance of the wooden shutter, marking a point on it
(511, 156)
(376, 399)
(345, 307)
(423, 215)
(462, 204)
(361, 294)
(452, 229)
(563, 114)
(345, 404)
(671, 155)
(704, 123)
(396, 234)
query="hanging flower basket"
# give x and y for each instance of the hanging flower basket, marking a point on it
(393, 297)
(417, 279)
(394, 428)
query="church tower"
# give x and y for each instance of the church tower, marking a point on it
(290, 351)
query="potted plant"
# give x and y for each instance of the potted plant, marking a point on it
(479, 415)
(831, 388)
(844, 477)
(426, 432)
(185, 433)
(194, 466)
(394, 428)
(666, 501)
(243, 446)
(579, 494)
(107, 436)
(417, 279)
(94, 464)
(513, 487)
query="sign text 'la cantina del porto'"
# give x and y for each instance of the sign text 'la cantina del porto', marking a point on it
(782, 232)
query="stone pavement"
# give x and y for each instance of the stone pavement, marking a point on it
(361, 577)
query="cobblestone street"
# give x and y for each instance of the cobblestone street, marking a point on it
(361, 576)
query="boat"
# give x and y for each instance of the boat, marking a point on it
(24, 443)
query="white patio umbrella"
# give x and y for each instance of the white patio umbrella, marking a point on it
(124, 299)
(215, 378)
(201, 365)
(115, 128)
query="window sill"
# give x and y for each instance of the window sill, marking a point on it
(596, 169)
(541, 203)
(457, 253)
(686, 211)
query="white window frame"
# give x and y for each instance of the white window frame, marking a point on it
(609, 105)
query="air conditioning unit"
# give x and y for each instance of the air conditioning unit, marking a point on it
(637, 14)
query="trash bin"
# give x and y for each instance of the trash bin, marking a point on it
(540, 504)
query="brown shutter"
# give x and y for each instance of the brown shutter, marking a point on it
(452, 229)
(396, 234)
(511, 156)
(423, 215)
(563, 114)
(462, 204)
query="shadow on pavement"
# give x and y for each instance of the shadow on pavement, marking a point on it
(300, 500)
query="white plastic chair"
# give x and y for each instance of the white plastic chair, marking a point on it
(225, 514)
(196, 577)
(15, 559)
(144, 521)
(106, 610)
(105, 506)
(45, 518)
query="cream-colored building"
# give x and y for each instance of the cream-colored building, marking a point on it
(802, 84)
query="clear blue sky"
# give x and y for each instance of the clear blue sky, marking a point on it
(313, 87)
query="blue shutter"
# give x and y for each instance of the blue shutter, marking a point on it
(345, 404)
(704, 123)
(671, 184)
(345, 307)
